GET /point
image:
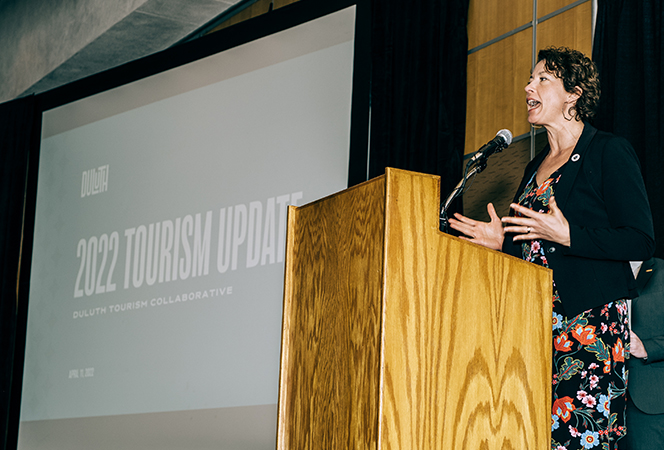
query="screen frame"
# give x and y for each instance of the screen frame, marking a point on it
(272, 22)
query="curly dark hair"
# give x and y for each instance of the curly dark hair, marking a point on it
(574, 69)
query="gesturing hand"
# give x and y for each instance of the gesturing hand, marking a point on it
(552, 226)
(489, 234)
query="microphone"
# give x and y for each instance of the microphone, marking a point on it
(498, 144)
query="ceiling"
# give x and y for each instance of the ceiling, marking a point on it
(154, 26)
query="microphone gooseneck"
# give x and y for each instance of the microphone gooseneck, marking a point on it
(479, 160)
(497, 144)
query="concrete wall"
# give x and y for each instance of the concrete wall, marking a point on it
(37, 36)
(47, 43)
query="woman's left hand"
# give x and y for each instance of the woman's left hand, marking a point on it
(552, 226)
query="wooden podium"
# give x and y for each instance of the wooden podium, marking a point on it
(398, 336)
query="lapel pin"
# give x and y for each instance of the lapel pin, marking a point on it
(575, 157)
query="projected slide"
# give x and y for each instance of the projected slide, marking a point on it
(157, 270)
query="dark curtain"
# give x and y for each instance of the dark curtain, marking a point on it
(20, 125)
(628, 47)
(418, 92)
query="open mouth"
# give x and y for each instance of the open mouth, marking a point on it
(532, 104)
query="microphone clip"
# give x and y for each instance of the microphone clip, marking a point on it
(478, 162)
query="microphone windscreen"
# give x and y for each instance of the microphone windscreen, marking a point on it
(506, 135)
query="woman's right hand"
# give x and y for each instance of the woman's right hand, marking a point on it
(489, 234)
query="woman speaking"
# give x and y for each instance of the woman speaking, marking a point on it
(582, 211)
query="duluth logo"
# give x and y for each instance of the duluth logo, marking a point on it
(95, 181)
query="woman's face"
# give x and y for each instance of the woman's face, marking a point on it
(547, 98)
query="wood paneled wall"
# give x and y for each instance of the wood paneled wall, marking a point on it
(502, 37)
(489, 19)
(254, 10)
(503, 41)
(495, 98)
(571, 28)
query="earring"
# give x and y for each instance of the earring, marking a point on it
(571, 112)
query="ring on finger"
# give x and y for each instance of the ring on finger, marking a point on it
(528, 230)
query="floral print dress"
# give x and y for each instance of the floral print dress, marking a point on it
(589, 352)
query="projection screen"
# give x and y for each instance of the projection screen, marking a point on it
(155, 295)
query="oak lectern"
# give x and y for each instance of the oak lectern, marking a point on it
(398, 336)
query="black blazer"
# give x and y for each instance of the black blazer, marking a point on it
(646, 378)
(602, 195)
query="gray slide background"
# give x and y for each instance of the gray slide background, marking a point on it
(202, 144)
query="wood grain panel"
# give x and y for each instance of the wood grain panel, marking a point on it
(330, 340)
(545, 7)
(497, 76)
(258, 8)
(396, 336)
(280, 3)
(488, 19)
(467, 343)
(573, 29)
